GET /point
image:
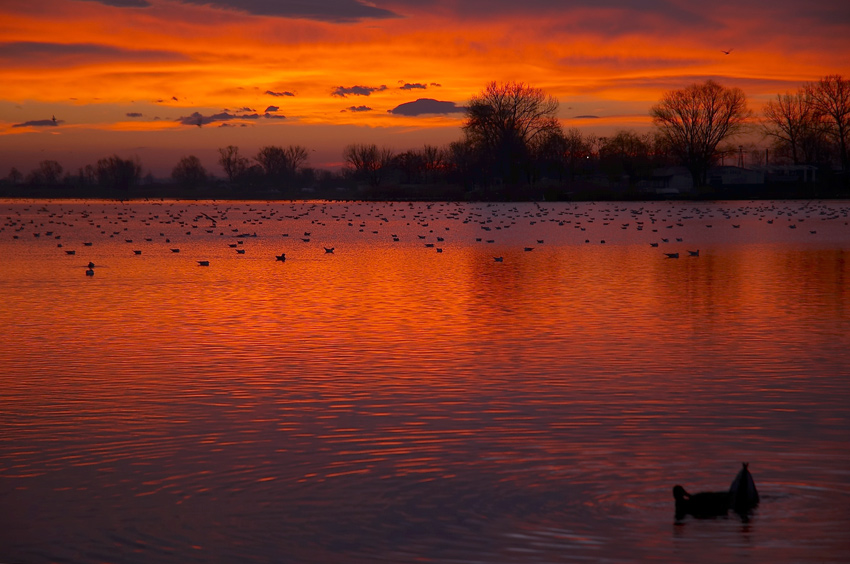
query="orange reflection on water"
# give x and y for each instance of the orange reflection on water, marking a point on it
(348, 387)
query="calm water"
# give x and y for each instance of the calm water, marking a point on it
(391, 403)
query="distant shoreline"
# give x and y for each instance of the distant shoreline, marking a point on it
(434, 193)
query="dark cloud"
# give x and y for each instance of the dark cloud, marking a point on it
(586, 117)
(343, 91)
(26, 52)
(627, 62)
(245, 109)
(357, 109)
(436, 84)
(199, 119)
(426, 106)
(39, 123)
(336, 11)
(272, 109)
(279, 94)
(670, 10)
(415, 85)
(125, 3)
(134, 114)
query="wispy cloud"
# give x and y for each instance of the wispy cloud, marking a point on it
(337, 11)
(39, 123)
(272, 109)
(357, 109)
(424, 106)
(343, 91)
(414, 86)
(199, 119)
(38, 52)
(279, 94)
(134, 114)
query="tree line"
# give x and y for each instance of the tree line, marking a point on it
(512, 141)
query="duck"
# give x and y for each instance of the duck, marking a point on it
(701, 505)
(281, 257)
(741, 497)
(744, 496)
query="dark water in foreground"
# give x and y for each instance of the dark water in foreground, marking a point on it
(390, 403)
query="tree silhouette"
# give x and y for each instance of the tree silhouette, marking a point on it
(15, 176)
(791, 120)
(830, 98)
(117, 173)
(280, 165)
(48, 173)
(189, 172)
(504, 121)
(233, 164)
(696, 119)
(368, 162)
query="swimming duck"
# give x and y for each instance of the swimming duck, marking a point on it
(741, 497)
(743, 493)
(701, 505)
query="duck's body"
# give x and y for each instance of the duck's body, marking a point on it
(743, 493)
(701, 505)
(741, 497)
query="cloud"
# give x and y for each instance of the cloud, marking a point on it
(125, 3)
(586, 117)
(39, 123)
(272, 109)
(426, 106)
(408, 86)
(279, 94)
(342, 91)
(134, 114)
(46, 53)
(436, 84)
(335, 11)
(357, 109)
(200, 119)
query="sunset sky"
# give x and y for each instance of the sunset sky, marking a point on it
(138, 77)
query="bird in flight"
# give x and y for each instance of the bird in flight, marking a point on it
(726, 52)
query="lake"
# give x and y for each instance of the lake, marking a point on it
(454, 382)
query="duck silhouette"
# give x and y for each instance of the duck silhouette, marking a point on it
(742, 497)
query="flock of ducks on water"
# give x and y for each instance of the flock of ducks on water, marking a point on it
(494, 222)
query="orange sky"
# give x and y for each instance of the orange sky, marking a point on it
(119, 75)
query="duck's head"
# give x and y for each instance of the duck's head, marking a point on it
(679, 493)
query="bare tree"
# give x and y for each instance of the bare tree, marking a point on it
(505, 121)
(830, 98)
(433, 162)
(15, 176)
(232, 162)
(368, 162)
(790, 120)
(189, 172)
(696, 119)
(626, 154)
(117, 173)
(281, 164)
(47, 173)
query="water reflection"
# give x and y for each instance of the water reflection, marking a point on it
(390, 403)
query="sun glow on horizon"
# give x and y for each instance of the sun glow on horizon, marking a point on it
(149, 70)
